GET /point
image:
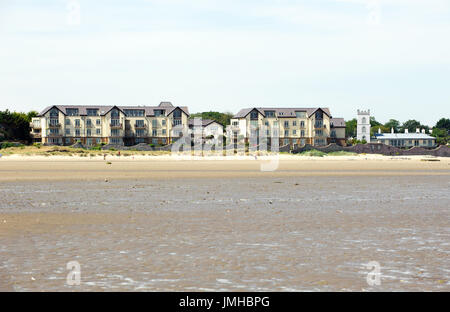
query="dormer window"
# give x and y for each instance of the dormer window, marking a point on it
(269, 114)
(300, 114)
(92, 112)
(159, 112)
(177, 113)
(72, 111)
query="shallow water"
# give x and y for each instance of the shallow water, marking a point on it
(252, 234)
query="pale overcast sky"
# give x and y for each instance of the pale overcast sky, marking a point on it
(390, 56)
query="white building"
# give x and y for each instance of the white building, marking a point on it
(419, 139)
(363, 126)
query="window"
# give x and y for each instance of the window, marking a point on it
(319, 114)
(67, 122)
(163, 131)
(116, 141)
(154, 132)
(98, 122)
(88, 132)
(294, 123)
(98, 131)
(54, 131)
(72, 111)
(92, 112)
(89, 141)
(140, 132)
(115, 122)
(160, 112)
(139, 123)
(88, 123)
(67, 131)
(269, 114)
(155, 141)
(77, 123)
(363, 120)
(176, 122)
(154, 123)
(77, 132)
(115, 132)
(254, 115)
(286, 124)
(139, 140)
(134, 112)
(235, 123)
(319, 133)
(302, 133)
(294, 132)
(177, 113)
(54, 122)
(302, 124)
(266, 123)
(286, 141)
(54, 113)
(67, 141)
(286, 132)
(300, 114)
(318, 123)
(363, 129)
(164, 122)
(115, 113)
(98, 141)
(333, 133)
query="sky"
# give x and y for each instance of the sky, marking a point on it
(389, 56)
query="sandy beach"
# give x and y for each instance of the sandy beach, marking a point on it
(26, 168)
(160, 224)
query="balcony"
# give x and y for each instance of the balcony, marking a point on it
(116, 126)
(140, 126)
(35, 125)
(54, 125)
(35, 135)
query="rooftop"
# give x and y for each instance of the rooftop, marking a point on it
(405, 136)
(281, 112)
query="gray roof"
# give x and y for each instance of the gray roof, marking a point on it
(337, 122)
(205, 122)
(405, 136)
(149, 110)
(281, 112)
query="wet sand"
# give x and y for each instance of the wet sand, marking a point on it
(166, 225)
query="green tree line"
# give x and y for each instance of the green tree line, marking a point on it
(222, 118)
(15, 126)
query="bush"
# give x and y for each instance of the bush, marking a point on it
(313, 152)
(38, 145)
(7, 145)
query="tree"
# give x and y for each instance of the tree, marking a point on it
(374, 122)
(350, 127)
(443, 123)
(15, 126)
(411, 125)
(392, 123)
(222, 118)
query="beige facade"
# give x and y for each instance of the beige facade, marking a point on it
(91, 125)
(293, 126)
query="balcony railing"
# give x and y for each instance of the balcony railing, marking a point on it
(140, 126)
(35, 125)
(54, 125)
(116, 126)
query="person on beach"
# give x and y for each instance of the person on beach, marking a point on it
(104, 156)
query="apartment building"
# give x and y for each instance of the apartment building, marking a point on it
(121, 125)
(293, 126)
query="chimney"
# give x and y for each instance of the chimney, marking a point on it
(423, 131)
(379, 130)
(392, 130)
(406, 130)
(417, 130)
